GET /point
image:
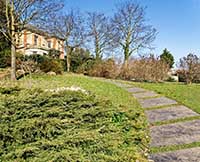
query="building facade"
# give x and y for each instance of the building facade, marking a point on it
(34, 41)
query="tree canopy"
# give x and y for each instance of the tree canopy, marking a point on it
(133, 33)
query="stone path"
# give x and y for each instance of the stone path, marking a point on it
(144, 95)
(177, 133)
(155, 102)
(163, 109)
(169, 113)
(185, 155)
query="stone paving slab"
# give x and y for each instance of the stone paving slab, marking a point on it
(169, 134)
(169, 113)
(174, 134)
(145, 94)
(120, 84)
(154, 102)
(186, 155)
(135, 90)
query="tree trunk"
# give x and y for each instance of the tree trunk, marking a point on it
(126, 56)
(13, 62)
(13, 42)
(68, 63)
(69, 53)
(125, 65)
(126, 49)
(97, 49)
(98, 57)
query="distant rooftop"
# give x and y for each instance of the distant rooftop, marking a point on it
(41, 32)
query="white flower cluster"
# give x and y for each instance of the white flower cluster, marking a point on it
(72, 88)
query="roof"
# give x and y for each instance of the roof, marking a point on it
(41, 32)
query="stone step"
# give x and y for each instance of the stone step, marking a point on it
(120, 84)
(145, 94)
(169, 134)
(185, 155)
(169, 113)
(175, 134)
(155, 102)
(135, 90)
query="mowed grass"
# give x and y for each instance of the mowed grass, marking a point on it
(188, 95)
(102, 89)
(106, 124)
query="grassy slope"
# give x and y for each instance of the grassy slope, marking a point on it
(103, 90)
(188, 95)
(130, 138)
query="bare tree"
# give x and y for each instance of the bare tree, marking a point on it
(190, 68)
(2, 20)
(18, 14)
(133, 33)
(2, 15)
(70, 27)
(100, 33)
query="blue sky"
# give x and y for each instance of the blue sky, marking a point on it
(177, 22)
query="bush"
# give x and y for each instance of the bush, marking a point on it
(55, 54)
(189, 71)
(105, 68)
(149, 69)
(36, 58)
(5, 58)
(5, 53)
(47, 64)
(86, 66)
(66, 126)
(79, 59)
(171, 79)
(51, 65)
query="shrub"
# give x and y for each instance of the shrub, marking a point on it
(36, 58)
(149, 69)
(25, 65)
(106, 68)
(51, 65)
(86, 66)
(5, 58)
(5, 54)
(189, 68)
(79, 59)
(47, 64)
(67, 126)
(171, 79)
(55, 54)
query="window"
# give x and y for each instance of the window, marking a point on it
(35, 39)
(19, 41)
(59, 45)
(49, 44)
(34, 52)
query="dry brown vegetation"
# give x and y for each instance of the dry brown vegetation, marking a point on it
(107, 68)
(189, 69)
(148, 68)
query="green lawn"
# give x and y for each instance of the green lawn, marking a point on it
(106, 124)
(188, 95)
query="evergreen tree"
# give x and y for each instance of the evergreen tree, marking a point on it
(167, 57)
